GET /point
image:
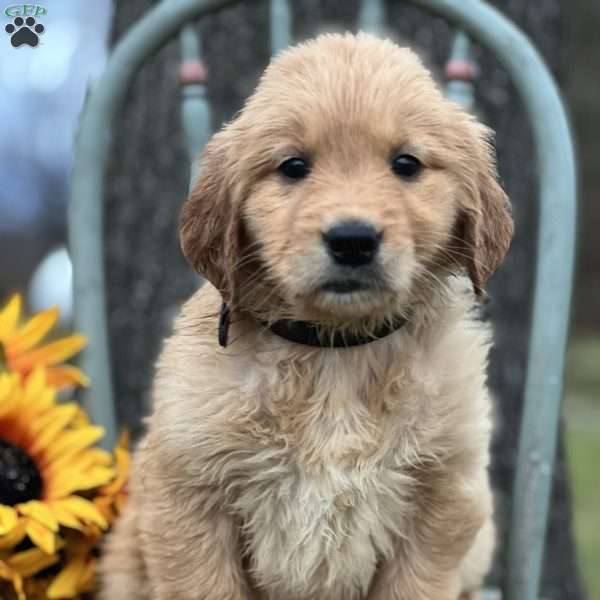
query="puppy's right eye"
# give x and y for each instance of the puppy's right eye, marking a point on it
(295, 168)
(406, 166)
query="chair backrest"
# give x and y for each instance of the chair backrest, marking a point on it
(557, 193)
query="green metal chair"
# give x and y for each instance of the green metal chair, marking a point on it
(557, 194)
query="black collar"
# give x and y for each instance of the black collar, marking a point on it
(307, 333)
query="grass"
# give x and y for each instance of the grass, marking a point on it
(582, 410)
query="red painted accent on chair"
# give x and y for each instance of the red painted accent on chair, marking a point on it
(460, 70)
(192, 72)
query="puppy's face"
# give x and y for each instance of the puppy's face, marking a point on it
(347, 186)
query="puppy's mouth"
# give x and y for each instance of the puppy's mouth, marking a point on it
(346, 286)
(348, 296)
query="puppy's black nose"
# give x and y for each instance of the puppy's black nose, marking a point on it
(352, 243)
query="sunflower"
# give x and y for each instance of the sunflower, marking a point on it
(77, 576)
(18, 569)
(58, 493)
(20, 351)
(112, 497)
(46, 462)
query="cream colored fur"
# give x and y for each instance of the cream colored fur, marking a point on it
(276, 471)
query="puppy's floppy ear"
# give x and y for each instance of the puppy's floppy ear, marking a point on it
(487, 225)
(210, 221)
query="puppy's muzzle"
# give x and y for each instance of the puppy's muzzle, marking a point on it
(352, 243)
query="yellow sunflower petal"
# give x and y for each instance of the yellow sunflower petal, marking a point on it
(124, 439)
(14, 537)
(123, 460)
(87, 580)
(66, 583)
(32, 561)
(34, 403)
(84, 510)
(33, 331)
(40, 512)
(36, 383)
(94, 533)
(104, 505)
(99, 457)
(50, 354)
(31, 399)
(8, 519)
(116, 485)
(73, 482)
(7, 383)
(18, 585)
(9, 317)
(81, 419)
(65, 517)
(54, 423)
(73, 441)
(9, 389)
(41, 422)
(83, 460)
(66, 375)
(90, 458)
(9, 574)
(41, 536)
(5, 571)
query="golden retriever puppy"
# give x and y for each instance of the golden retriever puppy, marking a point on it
(321, 420)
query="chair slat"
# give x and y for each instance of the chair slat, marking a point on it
(460, 72)
(195, 109)
(553, 282)
(371, 17)
(280, 25)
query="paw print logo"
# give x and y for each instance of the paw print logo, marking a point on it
(24, 32)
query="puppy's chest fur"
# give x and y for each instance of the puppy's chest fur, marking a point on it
(321, 532)
(326, 490)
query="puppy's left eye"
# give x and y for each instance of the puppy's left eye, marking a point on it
(295, 168)
(406, 166)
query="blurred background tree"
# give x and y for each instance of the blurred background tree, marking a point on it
(41, 92)
(148, 278)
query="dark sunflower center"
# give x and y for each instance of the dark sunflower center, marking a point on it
(20, 480)
(3, 360)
